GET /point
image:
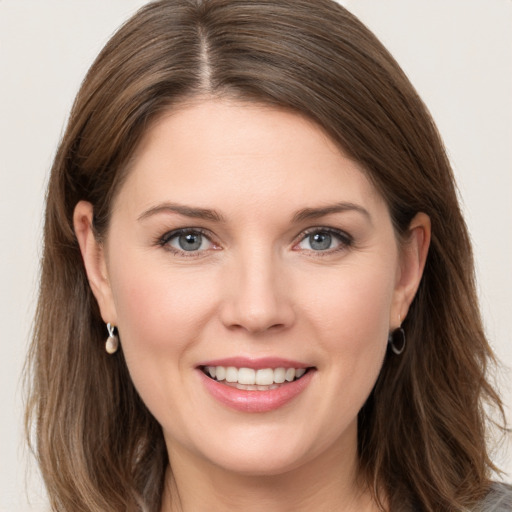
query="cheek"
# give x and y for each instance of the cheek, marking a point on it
(352, 305)
(160, 316)
(351, 321)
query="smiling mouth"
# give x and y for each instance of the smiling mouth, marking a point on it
(254, 380)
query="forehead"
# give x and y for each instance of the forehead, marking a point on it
(250, 154)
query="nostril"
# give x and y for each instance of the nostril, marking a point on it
(255, 327)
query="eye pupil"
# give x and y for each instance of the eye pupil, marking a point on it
(320, 241)
(190, 241)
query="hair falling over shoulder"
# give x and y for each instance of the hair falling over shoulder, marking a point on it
(97, 445)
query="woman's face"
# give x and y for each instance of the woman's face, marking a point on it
(244, 238)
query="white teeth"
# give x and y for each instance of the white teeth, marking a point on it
(290, 374)
(265, 377)
(220, 373)
(247, 387)
(248, 378)
(279, 375)
(231, 374)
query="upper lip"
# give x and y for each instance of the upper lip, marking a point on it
(255, 363)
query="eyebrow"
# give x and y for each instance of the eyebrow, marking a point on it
(213, 215)
(315, 213)
(180, 209)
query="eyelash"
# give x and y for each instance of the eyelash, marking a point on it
(164, 240)
(344, 239)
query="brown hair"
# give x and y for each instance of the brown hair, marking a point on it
(97, 445)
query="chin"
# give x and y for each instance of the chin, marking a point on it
(264, 451)
(260, 465)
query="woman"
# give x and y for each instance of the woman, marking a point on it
(253, 206)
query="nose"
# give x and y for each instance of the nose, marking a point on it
(258, 297)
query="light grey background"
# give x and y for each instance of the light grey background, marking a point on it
(458, 53)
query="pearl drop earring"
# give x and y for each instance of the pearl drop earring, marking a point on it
(112, 343)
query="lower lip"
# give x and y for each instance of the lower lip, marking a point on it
(256, 401)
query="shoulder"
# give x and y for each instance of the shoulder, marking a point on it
(499, 499)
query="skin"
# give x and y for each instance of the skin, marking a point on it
(257, 287)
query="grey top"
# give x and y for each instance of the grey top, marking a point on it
(499, 499)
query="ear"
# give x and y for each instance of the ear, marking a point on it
(93, 255)
(413, 255)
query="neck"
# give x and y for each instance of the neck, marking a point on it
(328, 482)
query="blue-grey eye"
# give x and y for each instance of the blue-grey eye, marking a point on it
(321, 241)
(189, 241)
